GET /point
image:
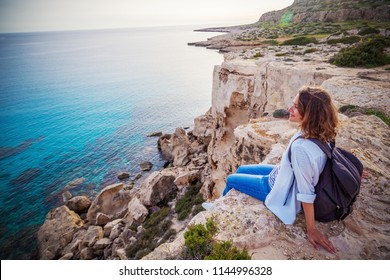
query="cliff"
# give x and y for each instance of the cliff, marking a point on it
(246, 90)
(329, 11)
(314, 18)
(255, 79)
(240, 129)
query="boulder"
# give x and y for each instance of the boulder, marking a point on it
(57, 232)
(79, 204)
(136, 212)
(111, 201)
(146, 166)
(123, 175)
(158, 187)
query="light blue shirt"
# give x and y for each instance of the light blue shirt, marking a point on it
(308, 161)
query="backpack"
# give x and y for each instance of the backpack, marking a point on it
(339, 183)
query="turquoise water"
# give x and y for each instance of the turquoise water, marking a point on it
(78, 105)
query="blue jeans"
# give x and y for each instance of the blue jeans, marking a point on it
(250, 179)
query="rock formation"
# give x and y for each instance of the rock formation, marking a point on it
(239, 129)
(245, 93)
(329, 11)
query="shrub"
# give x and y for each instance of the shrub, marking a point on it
(157, 230)
(348, 108)
(226, 251)
(271, 37)
(200, 245)
(310, 50)
(281, 113)
(198, 241)
(184, 205)
(270, 42)
(353, 109)
(366, 54)
(156, 217)
(368, 30)
(344, 40)
(258, 54)
(301, 41)
(379, 114)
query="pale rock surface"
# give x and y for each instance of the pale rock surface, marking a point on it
(111, 201)
(157, 187)
(57, 231)
(203, 128)
(79, 204)
(108, 228)
(136, 212)
(249, 224)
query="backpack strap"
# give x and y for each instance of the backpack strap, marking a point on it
(323, 146)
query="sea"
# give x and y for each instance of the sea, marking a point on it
(77, 108)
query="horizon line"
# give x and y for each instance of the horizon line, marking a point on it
(211, 25)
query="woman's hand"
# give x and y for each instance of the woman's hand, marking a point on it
(313, 234)
(317, 238)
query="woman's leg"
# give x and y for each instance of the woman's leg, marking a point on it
(255, 169)
(253, 185)
(248, 179)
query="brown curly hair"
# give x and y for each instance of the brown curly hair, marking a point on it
(319, 114)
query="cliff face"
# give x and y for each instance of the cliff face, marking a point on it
(302, 11)
(239, 129)
(234, 132)
(247, 89)
(244, 91)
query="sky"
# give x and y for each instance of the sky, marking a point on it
(50, 15)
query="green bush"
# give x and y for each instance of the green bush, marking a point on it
(301, 41)
(272, 37)
(184, 205)
(198, 241)
(281, 113)
(310, 50)
(270, 42)
(379, 114)
(200, 245)
(350, 109)
(281, 54)
(368, 30)
(366, 54)
(258, 54)
(344, 40)
(156, 217)
(226, 251)
(157, 230)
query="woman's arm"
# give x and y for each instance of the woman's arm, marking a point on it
(315, 237)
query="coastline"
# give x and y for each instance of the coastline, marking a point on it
(248, 86)
(239, 129)
(108, 136)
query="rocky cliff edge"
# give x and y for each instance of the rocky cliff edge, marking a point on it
(240, 129)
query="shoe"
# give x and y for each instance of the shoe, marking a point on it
(207, 205)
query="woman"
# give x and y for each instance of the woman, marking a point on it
(289, 187)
